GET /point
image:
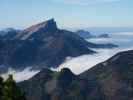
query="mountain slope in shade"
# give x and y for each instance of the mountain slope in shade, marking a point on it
(64, 85)
(115, 76)
(109, 80)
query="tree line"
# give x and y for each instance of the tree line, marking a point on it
(9, 90)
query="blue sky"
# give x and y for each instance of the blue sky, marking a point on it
(67, 13)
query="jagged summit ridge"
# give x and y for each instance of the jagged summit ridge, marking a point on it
(38, 29)
(49, 24)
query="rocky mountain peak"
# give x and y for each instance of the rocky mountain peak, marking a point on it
(49, 25)
(38, 30)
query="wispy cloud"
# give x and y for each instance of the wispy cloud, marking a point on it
(85, 2)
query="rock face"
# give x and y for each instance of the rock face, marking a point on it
(109, 80)
(39, 31)
(115, 76)
(64, 85)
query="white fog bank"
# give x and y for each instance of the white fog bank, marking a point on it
(80, 64)
(85, 62)
(20, 75)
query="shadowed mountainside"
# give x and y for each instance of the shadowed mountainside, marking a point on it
(115, 76)
(63, 85)
(109, 80)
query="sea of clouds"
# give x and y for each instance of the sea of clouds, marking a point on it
(80, 64)
(84, 62)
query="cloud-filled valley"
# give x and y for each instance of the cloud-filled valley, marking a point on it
(82, 63)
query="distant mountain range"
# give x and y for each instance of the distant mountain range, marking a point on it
(101, 30)
(87, 35)
(42, 45)
(8, 33)
(109, 80)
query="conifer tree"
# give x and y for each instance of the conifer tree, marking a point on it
(1, 87)
(11, 90)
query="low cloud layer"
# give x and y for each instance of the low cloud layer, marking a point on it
(20, 75)
(85, 62)
(82, 63)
